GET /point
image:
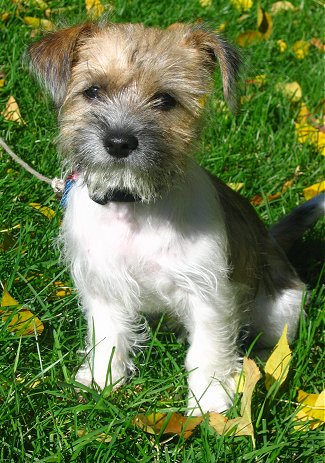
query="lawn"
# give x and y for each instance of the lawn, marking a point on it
(42, 417)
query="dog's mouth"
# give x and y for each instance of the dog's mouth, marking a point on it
(115, 195)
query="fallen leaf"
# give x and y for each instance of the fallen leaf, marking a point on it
(264, 22)
(318, 44)
(167, 423)
(301, 49)
(279, 7)
(236, 186)
(206, 3)
(242, 4)
(7, 242)
(94, 8)
(241, 426)
(312, 412)
(257, 80)
(282, 46)
(22, 322)
(61, 289)
(257, 199)
(5, 16)
(249, 38)
(37, 23)
(277, 366)
(12, 112)
(7, 300)
(303, 114)
(309, 134)
(314, 190)
(47, 211)
(290, 90)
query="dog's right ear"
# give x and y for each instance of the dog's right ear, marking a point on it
(51, 58)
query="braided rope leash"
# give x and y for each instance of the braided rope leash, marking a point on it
(60, 187)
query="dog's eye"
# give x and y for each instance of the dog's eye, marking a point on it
(92, 92)
(164, 101)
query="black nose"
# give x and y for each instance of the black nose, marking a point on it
(120, 145)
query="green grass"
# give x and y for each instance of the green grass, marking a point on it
(42, 418)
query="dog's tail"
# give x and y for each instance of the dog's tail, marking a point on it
(292, 226)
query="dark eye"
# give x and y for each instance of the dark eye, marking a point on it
(164, 101)
(92, 92)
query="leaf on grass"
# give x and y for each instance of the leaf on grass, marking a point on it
(236, 186)
(241, 426)
(257, 80)
(318, 44)
(249, 38)
(61, 289)
(279, 7)
(301, 49)
(312, 412)
(277, 366)
(314, 190)
(94, 8)
(282, 45)
(242, 5)
(205, 3)
(7, 242)
(264, 22)
(12, 112)
(23, 322)
(257, 199)
(37, 23)
(310, 134)
(290, 90)
(47, 211)
(168, 423)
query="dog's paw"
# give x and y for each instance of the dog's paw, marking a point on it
(100, 377)
(214, 399)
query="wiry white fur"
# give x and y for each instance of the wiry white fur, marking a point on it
(128, 258)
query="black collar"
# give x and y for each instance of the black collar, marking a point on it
(117, 196)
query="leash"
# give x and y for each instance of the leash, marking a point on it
(58, 185)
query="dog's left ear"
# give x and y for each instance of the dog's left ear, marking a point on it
(213, 49)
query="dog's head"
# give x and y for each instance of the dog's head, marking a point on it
(129, 99)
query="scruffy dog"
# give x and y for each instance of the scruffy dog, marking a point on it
(145, 228)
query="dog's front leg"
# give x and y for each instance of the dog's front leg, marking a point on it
(109, 343)
(212, 358)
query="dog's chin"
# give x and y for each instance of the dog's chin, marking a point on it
(125, 185)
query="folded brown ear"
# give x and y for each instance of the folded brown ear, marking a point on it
(215, 49)
(51, 58)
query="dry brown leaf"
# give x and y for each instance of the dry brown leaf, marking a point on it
(277, 366)
(257, 199)
(314, 190)
(167, 423)
(318, 44)
(12, 112)
(312, 412)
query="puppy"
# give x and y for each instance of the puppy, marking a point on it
(145, 228)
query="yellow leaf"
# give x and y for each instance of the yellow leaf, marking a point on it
(236, 186)
(309, 134)
(290, 90)
(37, 23)
(313, 410)
(282, 46)
(62, 290)
(314, 190)
(277, 366)
(47, 211)
(7, 300)
(94, 8)
(264, 22)
(221, 28)
(167, 423)
(279, 7)
(301, 49)
(206, 3)
(303, 114)
(2, 83)
(24, 323)
(5, 16)
(242, 4)
(249, 38)
(257, 80)
(12, 112)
